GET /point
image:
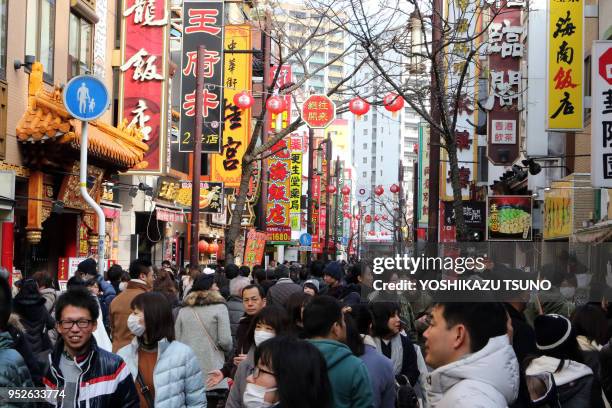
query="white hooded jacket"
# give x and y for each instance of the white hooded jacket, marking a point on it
(488, 378)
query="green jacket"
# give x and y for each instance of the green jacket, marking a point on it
(351, 387)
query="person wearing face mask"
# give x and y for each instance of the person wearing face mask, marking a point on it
(167, 372)
(271, 321)
(204, 325)
(288, 373)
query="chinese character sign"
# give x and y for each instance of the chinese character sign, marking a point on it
(295, 182)
(226, 166)
(211, 196)
(143, 72)
(509, 218)
(279, 184)
(565, 59)
(503, 131)
(318, 111)
(202, 25)
(559, 210)
(254, 248)
(423, 196)
(601, 108)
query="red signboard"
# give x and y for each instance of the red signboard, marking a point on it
(254, 248)
(605, 65)
(318, 111)
(142, 84)
(278, 234)
(279, 184)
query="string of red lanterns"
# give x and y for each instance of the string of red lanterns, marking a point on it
(276, 104)
(244, 100)
(358, 106)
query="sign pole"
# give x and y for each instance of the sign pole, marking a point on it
(309, 226)
(89, 200)
(197, 161)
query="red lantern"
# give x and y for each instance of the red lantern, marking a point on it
(416, 148)
(368, 218)
(379, 191)
(393, 102)
(347, 215)
(331, 189)
(376, 218)
(358, 106)
(357, 217)
(394, 188)
(372, 233)
(384, 217)
(243, 100)
(346, 190)
(276, 104)
(202, 246)
(213, 248)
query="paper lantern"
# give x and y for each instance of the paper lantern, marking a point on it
(243, 100)
(358, 106)
(393, 103)
(213, 248)
(394, 188)
(379, 191)
(372, 233)
(203, 246)
(357, 217)
(276, 104)
(368, 218)
(385, 218)
(376, 218)
(331, 189)
(346, 190)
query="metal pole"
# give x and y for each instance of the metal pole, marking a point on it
(309, 226)
(415, 203)
(359, 231)
(197, 161)
(434, 142)
(89, 200)
(337, 173)
(328, 155)
(401, 205)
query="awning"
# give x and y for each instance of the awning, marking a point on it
(163, 214)
(47, 121)
(597, 233)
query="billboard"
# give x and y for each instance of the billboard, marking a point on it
(601, 110)
(509, 218)
(558, 210)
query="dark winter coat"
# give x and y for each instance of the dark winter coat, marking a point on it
(13, 370)
(348, 295)
(280, 292)
(605, 371)
(236, 311)
(105, 380)
(36, 321)
(20, 343)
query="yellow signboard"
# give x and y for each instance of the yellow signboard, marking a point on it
(558, 210)
(565, 60)
(226, 166)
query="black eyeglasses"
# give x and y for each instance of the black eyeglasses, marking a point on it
(256, 371)
(82, 323)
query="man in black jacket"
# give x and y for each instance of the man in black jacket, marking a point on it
(83, 372)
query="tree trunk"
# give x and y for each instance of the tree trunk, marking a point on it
(234, 229)
(460, 227)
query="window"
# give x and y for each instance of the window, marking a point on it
(365, 146)
(364, 174)
(483, 165)
(3, 33)
(40, 33)
(365, 132)
(365, 160)
(80, 42)
(381, 172)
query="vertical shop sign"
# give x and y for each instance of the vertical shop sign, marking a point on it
(565, 59)
(423, 196)
(295, 189)
(227, 166)
(143, 84)
(601, 129)
(254, 248)
(505, 50)
(279, 183)
(202, 25)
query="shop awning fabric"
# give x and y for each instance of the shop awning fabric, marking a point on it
(47, 121)
(600, 232)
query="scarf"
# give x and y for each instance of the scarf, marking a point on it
(397, 352)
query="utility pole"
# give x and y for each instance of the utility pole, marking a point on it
(309, 203)
(197, 160)
(336, 199)
(401, 205)
(359, 231)
(415, 204)
(434, 138)
(328, 156)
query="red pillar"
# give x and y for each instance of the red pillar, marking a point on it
(6, 260)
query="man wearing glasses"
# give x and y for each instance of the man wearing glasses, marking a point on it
(84, 374)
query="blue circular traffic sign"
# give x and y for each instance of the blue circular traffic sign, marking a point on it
(305, 239)
(86, 97)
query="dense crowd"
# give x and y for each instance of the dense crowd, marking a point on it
(292, 336)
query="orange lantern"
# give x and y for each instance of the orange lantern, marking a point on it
(213, 248)
(203, 246)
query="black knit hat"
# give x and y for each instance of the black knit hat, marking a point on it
(88, 267)
(204, 282)
(552, 331)
(334, 270)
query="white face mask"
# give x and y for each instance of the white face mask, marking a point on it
(133, 323)
(262, 335)
(122, 286)
(254, 394)
(568, 292)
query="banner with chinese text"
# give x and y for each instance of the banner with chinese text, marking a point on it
(295, 189)
(565, 60)
(423, 193)
(285, 77)
(226, 166)
(202, 25)
(254, 248)
(143, 84)
(601, 108)
(279, 183)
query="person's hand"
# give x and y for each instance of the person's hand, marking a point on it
(214, 378)
(239, 359)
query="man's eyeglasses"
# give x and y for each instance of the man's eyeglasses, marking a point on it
(256, 371)
(82, 323)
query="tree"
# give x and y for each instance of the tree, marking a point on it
(440, 50)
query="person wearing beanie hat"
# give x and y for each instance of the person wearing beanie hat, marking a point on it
(333, 276)
(88, 267)
(311, 287)
(204, 325)
(561, 356)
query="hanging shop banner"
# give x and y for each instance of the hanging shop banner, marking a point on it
(285, 77)
(423, 193)
(601, 110)
(211, 196)
(558, 210)
(474, 213)
(295, 189)
(565, 59)
(144, 70)
(463, 18)
(254, 248)
(505, 51)
(202, 25)
(509, 218)
(316, 196)
(226, 166)
(337, 200)
(167, 189)
(279, 183)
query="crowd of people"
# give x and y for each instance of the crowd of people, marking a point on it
(292, 336)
